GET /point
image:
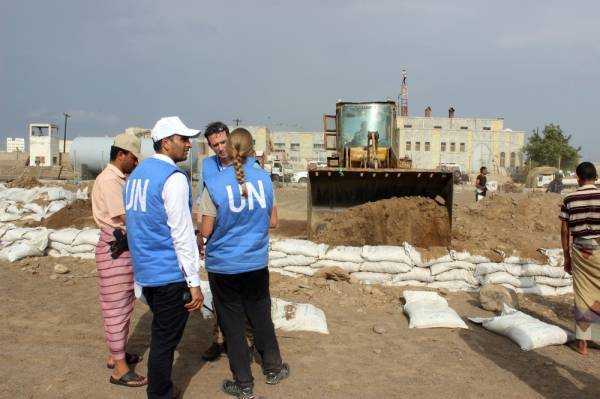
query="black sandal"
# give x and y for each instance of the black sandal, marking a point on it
(130, 358)
(127, 379)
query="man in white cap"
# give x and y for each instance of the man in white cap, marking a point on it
(166, 261)
(113, 260)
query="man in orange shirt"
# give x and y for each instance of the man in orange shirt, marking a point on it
(113, 260)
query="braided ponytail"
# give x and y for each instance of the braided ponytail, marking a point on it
(240, 147)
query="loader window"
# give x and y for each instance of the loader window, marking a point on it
(359, 119)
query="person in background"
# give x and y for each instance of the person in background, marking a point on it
(556, 185)
(237, 208)
(166, 261)
(113, 260)
(580, 219)
(480, 184)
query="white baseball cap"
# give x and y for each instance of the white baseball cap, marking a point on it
(169, 126)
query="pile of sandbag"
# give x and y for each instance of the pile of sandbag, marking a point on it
(404, 266)
(35, 203)
(20, 242)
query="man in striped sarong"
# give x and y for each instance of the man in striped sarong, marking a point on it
(113, 260)
(580, 216)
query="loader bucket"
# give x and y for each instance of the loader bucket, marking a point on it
(334, 189)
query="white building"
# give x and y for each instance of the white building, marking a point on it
(44, 140)
(16, 144)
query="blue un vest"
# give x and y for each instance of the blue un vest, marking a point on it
(149, 237)
(211, 166)
(240, 239)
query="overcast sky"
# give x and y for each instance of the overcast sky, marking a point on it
(114, 64)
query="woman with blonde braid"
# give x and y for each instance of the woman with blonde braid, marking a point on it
(237, 211)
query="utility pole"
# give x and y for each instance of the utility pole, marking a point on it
(237, 121)
(67, 116)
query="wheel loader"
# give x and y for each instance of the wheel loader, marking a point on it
(364, 166)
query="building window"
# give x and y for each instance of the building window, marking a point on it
(427, 146)
(437, 127)
(408, 126)
(280, 145)
(443, 147)
(464, 127)
(417, 146)
(295, 146)
(462, 147)
(513, 159)
(502, 159)
(487, 128)
(452, 147)
(319, 146)
(408, 146)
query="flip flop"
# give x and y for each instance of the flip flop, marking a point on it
(130, 358)
(127, 379)
(574, 347)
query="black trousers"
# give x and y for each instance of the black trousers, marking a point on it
(241, 296)
(168, 322)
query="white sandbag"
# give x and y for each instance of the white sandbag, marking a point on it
(457, 275)
(385, 267)
(292, 260)
(416, 273)
(19, 250)
(538, 289)
(455, 285)
(57, 193)
(429, 310)
(489, 267)
(80, 249)
(564, 290)
(85, 255)
(372, 278)
(64, 236)
(284, 272)
(406, 283)
(554, 256)
(413, 255)
(82, 194)
(8, 217)
(468, 257)
(518, 260)
(507, 278)
(442, 267)
(344, 254)
(19, 194)
(88, 236)
(523, 329)
(55, 206)
(59, 246)
(531, 269)
(290, 316)
(15, 234)
(277, 255)
(35, 208)
(305, 270)
(554, 282)
(4, 228)
(350, 267)
(300, 247)
(385, 253)
(55, 253)
(442, 259)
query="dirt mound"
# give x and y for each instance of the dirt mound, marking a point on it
(24, 182)
(505, 224)
(419, 221)
(78, 214)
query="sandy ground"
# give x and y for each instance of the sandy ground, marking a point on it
(53, 346)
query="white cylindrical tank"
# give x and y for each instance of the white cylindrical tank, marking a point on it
(93, 153)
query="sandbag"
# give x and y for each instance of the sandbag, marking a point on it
(290, 316)
(517, 260)
(385, 253)
(442, 267)
(306, 270)
(83, 248)
(344, 254)
(456, 275)
(554, 282)
(385, 267)
(468, 257)
(442, 259)
(538, 289)
(372, 278)
(88, 236)
(350, 267)
(413, 255)
(531, 269)
(404, 283)
(16, 234)
(300, 247)
(427, 309)
(554, 256)
(19, 250)
(277, 255)
(8, 217)
(4, 228)
(292, 260)
(507, 278)
(55, 206)
(416, 273)
(523, 329)
(455, 285)
(64, 236)
(564, 290)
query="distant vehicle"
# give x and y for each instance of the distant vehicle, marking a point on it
(299, 177)
(458, 173)
(279, 170)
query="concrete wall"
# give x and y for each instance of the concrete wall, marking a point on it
(469, 142)
(299, 147)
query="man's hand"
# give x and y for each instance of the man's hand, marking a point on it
(201, 246)
(197, 299)
(567, 265)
